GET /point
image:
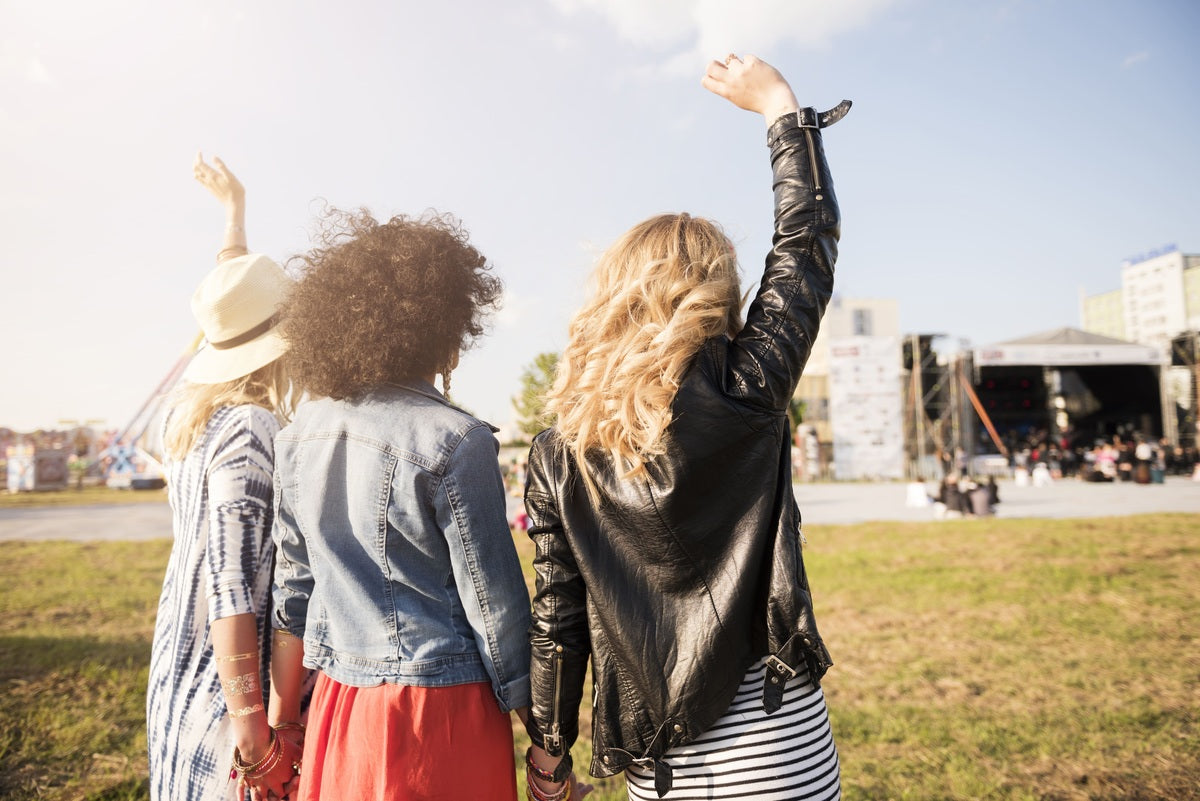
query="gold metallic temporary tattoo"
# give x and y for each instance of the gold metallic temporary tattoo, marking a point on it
(241, 685)
(246, 710)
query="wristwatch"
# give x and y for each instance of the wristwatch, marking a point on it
(560, 773)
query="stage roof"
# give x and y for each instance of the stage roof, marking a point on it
(1065, 347)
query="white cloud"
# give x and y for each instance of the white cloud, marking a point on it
(1136, 58)
(642, 22)
(512, 311)
(693, 31)
(36, 72)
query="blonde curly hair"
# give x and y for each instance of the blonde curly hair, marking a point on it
(662, 290)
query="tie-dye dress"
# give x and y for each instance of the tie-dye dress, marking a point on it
(220, 566)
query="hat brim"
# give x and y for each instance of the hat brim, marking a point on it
(212, 366)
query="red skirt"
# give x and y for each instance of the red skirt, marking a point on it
(398, 743)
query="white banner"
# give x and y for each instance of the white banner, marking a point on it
(1066, 355)
(866, 408)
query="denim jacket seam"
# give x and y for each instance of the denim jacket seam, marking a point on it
(381, 529)
(463, 524)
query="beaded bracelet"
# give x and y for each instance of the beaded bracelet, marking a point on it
(534, 793)
(560, 772)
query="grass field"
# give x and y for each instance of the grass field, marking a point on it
(998, 659)
(87, 496)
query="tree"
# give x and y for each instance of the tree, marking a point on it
(796, 410)
(530, 405)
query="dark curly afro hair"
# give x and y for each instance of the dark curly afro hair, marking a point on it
(384, 302)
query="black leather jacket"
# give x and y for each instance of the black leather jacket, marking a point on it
(675, 585)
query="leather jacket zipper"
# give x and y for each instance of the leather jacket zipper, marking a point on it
(812, 160)
(554, 738)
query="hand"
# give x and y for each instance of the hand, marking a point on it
(280, 780)
(751, 84)
(295, 733)
(579, 790)
(218, 179)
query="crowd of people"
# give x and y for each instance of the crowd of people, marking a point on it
(343, 613)
(1121, 457)
(1041, 460)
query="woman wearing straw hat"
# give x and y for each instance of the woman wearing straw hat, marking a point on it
(396, 577)
(208, 669)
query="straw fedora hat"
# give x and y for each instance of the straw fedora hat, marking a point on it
(237, 306)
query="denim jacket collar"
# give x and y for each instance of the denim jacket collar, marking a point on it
(423, 387)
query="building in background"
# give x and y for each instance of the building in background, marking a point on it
(1159, 298)
(1104, 314)
(1157, 304)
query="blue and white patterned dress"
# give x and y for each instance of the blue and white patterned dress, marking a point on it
(220, 566)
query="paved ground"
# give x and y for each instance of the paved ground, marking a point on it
(819, 504)
(856, 503)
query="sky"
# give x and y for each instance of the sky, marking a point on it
(1000, 158)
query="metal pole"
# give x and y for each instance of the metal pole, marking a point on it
(983, 415)
(918, 402)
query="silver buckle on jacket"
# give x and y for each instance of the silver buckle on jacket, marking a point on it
(779, 667)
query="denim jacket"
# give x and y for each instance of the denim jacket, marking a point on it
(394, 560)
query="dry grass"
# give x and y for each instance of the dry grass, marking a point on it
(992, 659)
(1013, 659)
(87, 496)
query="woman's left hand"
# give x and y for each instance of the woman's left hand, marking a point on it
(280, 781)
(220, 180)
(578, 788)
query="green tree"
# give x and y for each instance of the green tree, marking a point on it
(796, 410)
(530, 405)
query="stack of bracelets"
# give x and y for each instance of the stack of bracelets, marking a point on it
(560, 774)
(246, 773)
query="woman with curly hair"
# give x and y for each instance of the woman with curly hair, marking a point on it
(396, 575)
(661, 505)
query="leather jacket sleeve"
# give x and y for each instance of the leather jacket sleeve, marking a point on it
(766, 357)
(559, 638)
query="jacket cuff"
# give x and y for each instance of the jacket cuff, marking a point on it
(514, 695)
(535, 733)
(786, 123)
(806, 117)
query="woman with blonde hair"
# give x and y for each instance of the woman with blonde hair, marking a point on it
(667, 534)
(208, 669)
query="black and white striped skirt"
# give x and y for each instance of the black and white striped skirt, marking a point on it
(748, 754)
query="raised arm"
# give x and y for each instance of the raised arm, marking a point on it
(225, 187)
(766, 357)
